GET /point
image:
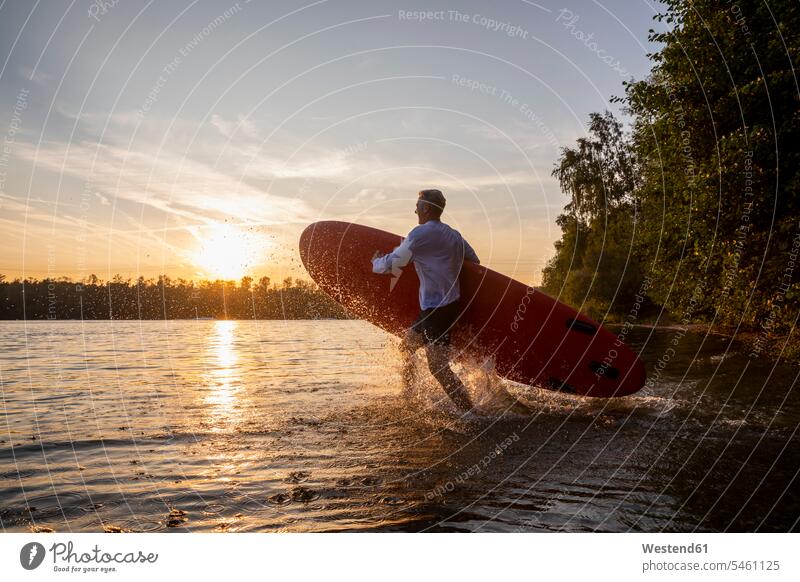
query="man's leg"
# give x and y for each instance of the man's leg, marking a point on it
(410, 344)
(439, 365)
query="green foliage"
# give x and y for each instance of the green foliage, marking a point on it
(595, 267)
(717, 123)
(715, 148)
(598, 174)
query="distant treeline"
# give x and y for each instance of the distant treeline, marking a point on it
(695, 209)
(164, 298)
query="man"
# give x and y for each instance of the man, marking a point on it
(438, 253)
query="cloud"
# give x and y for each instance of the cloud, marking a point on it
(182, 187)
(413, 178)
(520, 134)
(37, 77)
(263, 166)
(248, 153)
(243, 126)
(20, 215)
(367, 195)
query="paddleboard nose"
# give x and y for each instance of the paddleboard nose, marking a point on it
(305, 243)
(313, 239)
(321, 244)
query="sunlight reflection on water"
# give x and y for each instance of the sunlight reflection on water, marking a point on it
(304, 426)
(223, 376)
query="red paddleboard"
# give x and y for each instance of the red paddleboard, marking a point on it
(533, 338)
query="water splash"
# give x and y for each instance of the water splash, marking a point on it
(488, 392)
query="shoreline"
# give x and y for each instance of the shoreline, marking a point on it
(786, 348)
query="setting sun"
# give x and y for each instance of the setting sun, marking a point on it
(228, 252)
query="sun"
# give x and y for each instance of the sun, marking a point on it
(228, 252)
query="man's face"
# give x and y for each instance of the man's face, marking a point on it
(421, 210)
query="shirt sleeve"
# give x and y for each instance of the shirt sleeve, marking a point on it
(398, 258)
(470, 254)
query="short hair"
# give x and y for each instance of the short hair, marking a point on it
(433, 197)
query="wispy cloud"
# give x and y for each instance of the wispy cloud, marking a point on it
(241, 126)
(179, 186)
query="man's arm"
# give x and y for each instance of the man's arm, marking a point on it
(396, 260)
(470, 254)
(382, 264)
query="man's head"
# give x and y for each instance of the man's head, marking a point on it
(430, 205)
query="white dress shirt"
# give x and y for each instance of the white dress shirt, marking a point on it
(438, 252)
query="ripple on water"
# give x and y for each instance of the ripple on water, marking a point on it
(304, 494)
(297, 477)
(280, 499)
(142, 525)
(67, 504)
(213, 509)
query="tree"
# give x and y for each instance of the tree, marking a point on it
(594, 266)
(717, 127)
(162, 299)
(598, 174)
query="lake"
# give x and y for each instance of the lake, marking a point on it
(306, 426)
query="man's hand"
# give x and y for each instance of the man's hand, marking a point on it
(378, 255)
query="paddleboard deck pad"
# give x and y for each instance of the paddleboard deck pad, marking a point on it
(532, 338)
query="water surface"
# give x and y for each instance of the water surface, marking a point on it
(306, 426)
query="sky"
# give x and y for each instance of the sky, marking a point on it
(198, 139)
